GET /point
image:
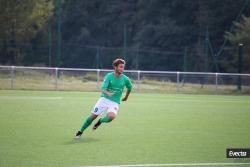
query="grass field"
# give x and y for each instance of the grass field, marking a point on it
(37, 129)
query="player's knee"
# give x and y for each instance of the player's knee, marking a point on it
(111, 116)
(93, 116)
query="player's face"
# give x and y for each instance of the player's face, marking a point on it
(120, 68)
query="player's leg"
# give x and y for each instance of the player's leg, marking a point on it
(86, 124)
(111, 114)
(88, 121)
(97, 110)
(108, 118)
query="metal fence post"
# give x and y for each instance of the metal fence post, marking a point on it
(138, 80)
(178, 82)
(97, 78)
(12, 77)
(240, 62)
(56, 78)
(216, 83)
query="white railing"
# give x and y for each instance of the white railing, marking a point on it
(45, 78)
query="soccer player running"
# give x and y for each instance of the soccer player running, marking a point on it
(111, 92)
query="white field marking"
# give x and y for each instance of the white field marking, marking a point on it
(211, 101)
(217, 99)
(204, 101)
(177, 164)
(29, 98)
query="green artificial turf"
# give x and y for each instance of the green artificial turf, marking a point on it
(37, 129)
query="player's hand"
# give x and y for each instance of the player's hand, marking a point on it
(110, 93)
(124, 99)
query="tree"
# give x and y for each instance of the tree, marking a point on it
(241, 34)
(152, 29)
(20, 23)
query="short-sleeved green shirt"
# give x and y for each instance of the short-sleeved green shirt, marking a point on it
(115, 85)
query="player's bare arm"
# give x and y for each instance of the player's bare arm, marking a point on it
(125, 98)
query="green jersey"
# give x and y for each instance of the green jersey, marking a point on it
(116, 86)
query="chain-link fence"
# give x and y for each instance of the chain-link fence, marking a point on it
(101, 57)
(71, 79)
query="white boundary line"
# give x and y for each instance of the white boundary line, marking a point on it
(208, 101)
(173, 164)
(29, 98)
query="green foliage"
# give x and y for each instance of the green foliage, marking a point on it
(152, 25)
(20, 23)
(241, 35)
(158, 26)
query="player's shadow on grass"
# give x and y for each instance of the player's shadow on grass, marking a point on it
(82, 140)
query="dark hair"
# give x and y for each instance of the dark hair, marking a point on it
(116, 62)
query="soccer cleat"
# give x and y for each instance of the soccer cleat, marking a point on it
(78, 135)
(97, 124)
